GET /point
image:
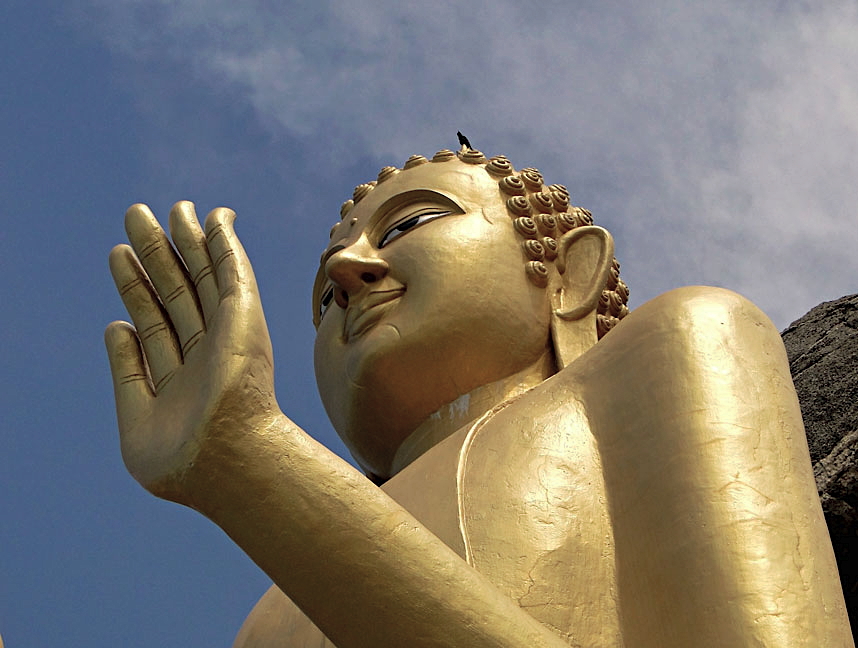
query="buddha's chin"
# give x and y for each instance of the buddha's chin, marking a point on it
(372, 429)
(365, 417)
(379, 387)
(362, 353)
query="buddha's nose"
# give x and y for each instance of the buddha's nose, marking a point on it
(352, 268)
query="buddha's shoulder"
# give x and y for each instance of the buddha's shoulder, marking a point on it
(676, 331)
(685, 313)
(701, 304)
(685, 335)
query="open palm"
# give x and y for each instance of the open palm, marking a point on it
(197, 363)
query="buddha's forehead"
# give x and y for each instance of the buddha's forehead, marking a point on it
(468, 185)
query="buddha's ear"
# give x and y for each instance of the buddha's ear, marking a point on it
(583, 264)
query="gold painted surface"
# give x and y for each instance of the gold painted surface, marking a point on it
(542, 489)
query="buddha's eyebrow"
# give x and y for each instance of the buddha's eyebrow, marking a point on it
(391, 205)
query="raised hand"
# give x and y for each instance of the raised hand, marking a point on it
(197, 364)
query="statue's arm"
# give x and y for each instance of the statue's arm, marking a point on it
(719, 535)
(199, 425)
(362, 568)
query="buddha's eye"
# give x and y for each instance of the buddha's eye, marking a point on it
(325, 302)
(410, 223)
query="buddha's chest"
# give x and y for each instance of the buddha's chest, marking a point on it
(522, 499)
(428, 489)
(525, 476)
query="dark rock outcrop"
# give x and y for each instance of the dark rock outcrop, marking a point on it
(822, 348)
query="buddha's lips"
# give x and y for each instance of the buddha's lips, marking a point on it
(361, 316)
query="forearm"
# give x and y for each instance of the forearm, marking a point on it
(359, 565)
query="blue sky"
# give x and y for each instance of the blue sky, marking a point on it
(719, 143)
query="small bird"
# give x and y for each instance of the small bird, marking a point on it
(464, 141)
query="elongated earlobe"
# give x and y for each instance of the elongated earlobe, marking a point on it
(584, 257)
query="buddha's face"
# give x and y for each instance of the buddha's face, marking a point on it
(425, 298)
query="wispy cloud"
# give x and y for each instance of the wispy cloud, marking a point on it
(720, 144)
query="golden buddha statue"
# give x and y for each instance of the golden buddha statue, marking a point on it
(528, 485)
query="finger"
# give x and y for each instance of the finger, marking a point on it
(154, 329)
(190, 241)
(131, 383)
(229, 259)
(167, 273)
